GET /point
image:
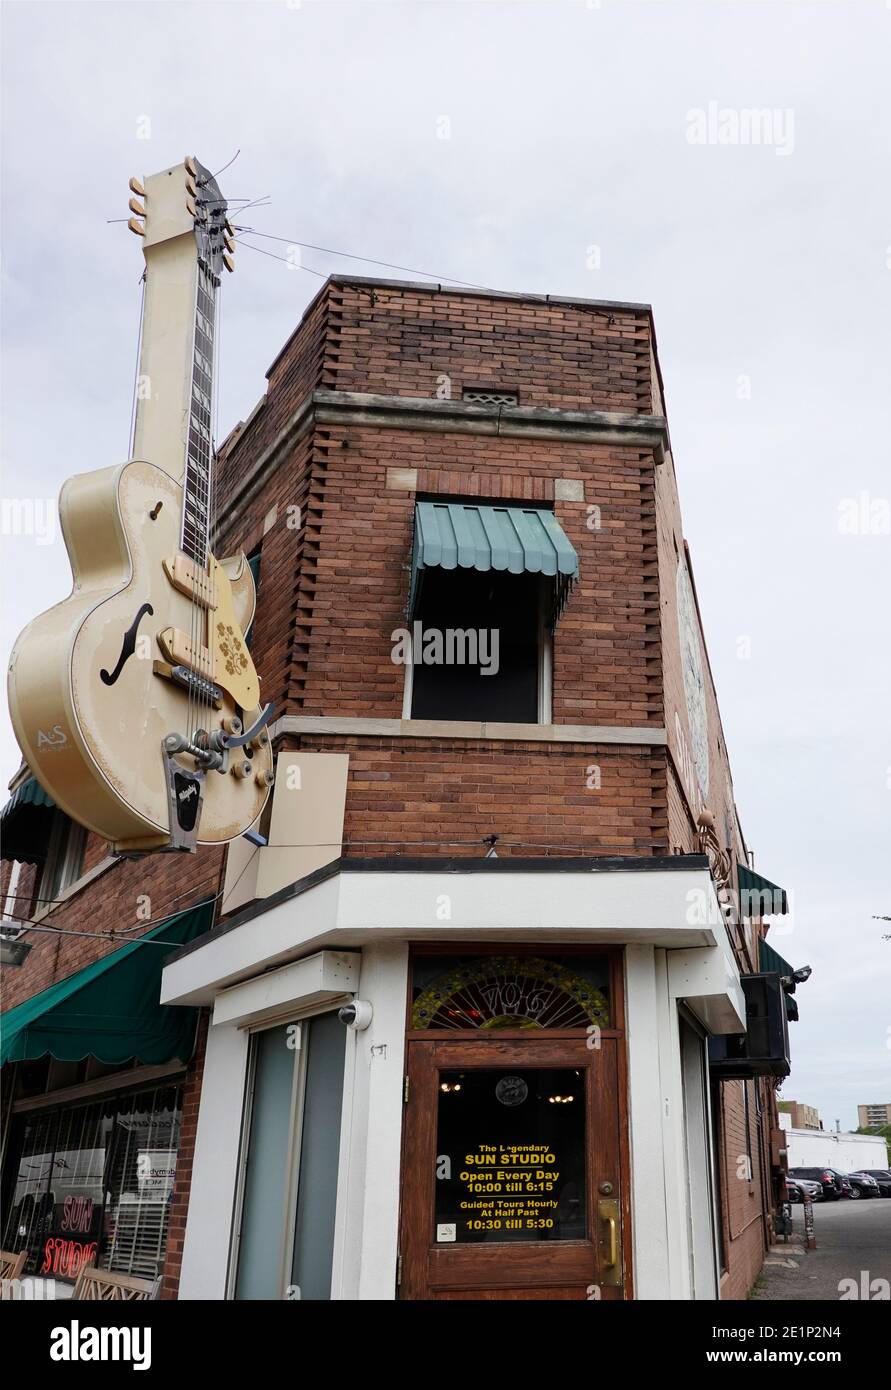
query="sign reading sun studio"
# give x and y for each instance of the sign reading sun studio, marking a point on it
(511, 1162)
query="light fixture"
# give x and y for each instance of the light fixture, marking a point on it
(12, 951)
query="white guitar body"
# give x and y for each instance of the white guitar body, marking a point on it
(92, 743)
(135, 700)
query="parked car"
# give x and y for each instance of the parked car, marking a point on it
(833, 1185)
(799, 1188)
(843, 1181)
(882, 1177)
(862, 1185)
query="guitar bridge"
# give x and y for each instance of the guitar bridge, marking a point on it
(190, 680)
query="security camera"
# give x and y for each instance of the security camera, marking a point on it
(357, 1015)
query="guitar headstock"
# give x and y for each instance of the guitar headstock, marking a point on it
(181, 201)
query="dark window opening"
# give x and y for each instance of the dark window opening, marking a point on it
(64, 859)
(494, 617)
(254, 563)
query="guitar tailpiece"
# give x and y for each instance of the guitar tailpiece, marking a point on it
(185, 791)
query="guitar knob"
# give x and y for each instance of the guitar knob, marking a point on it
(232, 724)
(242, 768)
(264, 778)
(261, 741)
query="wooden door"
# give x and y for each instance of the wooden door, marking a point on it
(511, 1170)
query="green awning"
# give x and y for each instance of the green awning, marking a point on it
(771, 960)
(110, 1009)
(773, 963)
(758, 897)
(25, 823)
(520, 540)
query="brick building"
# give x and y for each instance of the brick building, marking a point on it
(528, 883)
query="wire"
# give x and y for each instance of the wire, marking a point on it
(132, 440)
(368, 260)
(273, 256)
(226, 166)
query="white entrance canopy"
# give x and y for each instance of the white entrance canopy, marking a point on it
(668, 903)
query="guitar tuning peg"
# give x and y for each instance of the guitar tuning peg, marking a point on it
(136, 207)
(191, 188)
(228, 242)
(228, 262)
(135, 226)
(227, 225)
(136, 187)
(191, 166)
(191, 207)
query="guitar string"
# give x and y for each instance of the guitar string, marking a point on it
(134, 399)
(192, 500)
(215, 409)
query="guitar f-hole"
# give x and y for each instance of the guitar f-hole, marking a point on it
(128, 646)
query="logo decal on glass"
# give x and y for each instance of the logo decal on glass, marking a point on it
(511, 1090)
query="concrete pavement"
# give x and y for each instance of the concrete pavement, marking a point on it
(853, 1243)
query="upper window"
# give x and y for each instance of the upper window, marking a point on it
(488, 583)
(481, 649)
(64, 859)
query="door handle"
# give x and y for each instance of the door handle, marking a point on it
(610, 1261)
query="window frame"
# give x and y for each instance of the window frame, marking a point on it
(295, 1144)
(64, 861)
(544, 674)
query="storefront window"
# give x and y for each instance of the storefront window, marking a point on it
(495, 992)
(92, 1185)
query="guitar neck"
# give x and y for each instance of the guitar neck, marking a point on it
(198, 479)
(184, 252)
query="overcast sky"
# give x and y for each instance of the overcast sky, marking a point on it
(499, 143)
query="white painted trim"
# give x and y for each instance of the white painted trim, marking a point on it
(648, 1206)
(206, 1246)
(316, 980)
(673, 1145)
(354, 909)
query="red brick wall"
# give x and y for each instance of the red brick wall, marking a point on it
(745, 1226)
(179, 1207)
(399, 341)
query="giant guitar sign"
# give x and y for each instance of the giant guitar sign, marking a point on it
(135, 700)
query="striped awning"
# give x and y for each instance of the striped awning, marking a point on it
(758, 897)
(111, 1008)
(25, 823)
(518, 540)
(772, 963)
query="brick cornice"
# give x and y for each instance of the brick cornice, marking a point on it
(629, 428)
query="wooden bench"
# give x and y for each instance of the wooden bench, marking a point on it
(11, 1265)
(102, 1285)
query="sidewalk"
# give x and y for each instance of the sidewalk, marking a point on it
(852, 1258)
